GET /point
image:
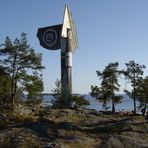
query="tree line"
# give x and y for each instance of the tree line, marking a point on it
(20, 71)
(109, 85)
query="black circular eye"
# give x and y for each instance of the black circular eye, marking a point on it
(50, 37)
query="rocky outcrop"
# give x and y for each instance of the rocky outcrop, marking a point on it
(69, 128)
(126, 140)
(18, 138)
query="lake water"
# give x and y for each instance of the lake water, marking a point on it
(125, 105)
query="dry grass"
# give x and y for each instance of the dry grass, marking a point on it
(73, 129)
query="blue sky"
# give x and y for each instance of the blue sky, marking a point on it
(108, 31)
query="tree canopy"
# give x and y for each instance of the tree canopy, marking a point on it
(133, 74)
(18, 58)
(109, 85)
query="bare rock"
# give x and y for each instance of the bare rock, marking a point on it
(19, 138)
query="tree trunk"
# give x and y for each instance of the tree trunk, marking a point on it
(13, 81)
(134, 95)
(12, 100)
(113, 105)
(134, 101)
(145, 105)
(113, 99)
(13, 91)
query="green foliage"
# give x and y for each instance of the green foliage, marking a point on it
(80, 101)
(34, 86)
(118, 99)
(109, 85)
(100, 94)
(57, 90)
(18, 95)
(142, 93)
(4, 86)
(133, 74)
(59, 101)
(18, 58)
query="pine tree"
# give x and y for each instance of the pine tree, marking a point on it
(18, 58)
(109, 85)
(33, 84)
(59, 101)
(133, 73)
(142, 93)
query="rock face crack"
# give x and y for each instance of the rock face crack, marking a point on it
(60, 128)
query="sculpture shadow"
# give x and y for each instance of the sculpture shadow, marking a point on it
(43, 126)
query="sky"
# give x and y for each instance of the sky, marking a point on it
(108, 31)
